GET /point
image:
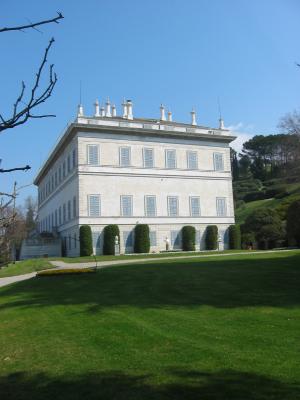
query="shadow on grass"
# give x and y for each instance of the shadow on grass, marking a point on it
(188, 385)
(225, 283)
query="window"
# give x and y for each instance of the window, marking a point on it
(64, 213)
(170, 159)
(148, 158)
(52, 183)
(59, 215)
(74, 207)
(124, 156)
(218, 162)
(75, 241)
(70, 242)
(64, 169)
(152, 236)
(195, 206)
(175, 239)
(69, 163)
(221, 207)
(128, 239)
(74, 158)
(69, 210)
(55, 178)
(59, 174)
(150, 206)
(192, 159)
(55, 219)
(94, 205)
(93, 154)
(173, 206)
(126, 206)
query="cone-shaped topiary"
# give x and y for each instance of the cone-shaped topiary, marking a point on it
(188, 238)
(211, 237)
(234, 237)
(141, 239)
(85, 238)
(110, 233)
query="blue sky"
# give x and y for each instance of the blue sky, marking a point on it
(180, 53)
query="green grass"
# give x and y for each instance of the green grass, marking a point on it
(211, 329)
(24, 267)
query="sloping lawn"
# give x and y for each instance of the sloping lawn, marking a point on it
(24, 267)
(211, 328)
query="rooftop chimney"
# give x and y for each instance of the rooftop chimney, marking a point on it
(169, 116)
(193, 115)
(129, 109)
(162, 113)
(80, 111)
(107, 111)
(97, 113)
(124, 105)
(113, 110)
(221, 124)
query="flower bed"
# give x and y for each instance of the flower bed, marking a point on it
(67, 271)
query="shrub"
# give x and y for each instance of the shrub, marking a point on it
(293, 223)
(110, 233)
(248, 241)
(141, 239)
(276, 190)
(85, 238)
(188, 238)
(253, 196)
(266, 225)
(211, 237)
(234, 237)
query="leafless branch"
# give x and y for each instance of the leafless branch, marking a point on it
(26, 168)
(21, 116)
(34, 25)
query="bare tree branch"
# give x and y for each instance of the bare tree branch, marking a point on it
(34, 25)
(19, 117)
(26, 168)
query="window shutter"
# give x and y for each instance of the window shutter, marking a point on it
(125, 156)
(93, 154)
(170, 159)
(148, 158)
(218, 162)
(195, 206)
(192, 160)
(150, 206)
(173, 206)
(94, 205)
(221, 207)
(126, 206)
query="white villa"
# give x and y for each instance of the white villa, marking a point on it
(109, 169)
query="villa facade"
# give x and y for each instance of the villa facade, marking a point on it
(109, 169)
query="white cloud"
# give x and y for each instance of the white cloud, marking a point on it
(243, 133)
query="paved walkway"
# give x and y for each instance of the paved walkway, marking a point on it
(105, 264)
(18, 278)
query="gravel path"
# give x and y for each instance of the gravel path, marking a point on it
(104, 264)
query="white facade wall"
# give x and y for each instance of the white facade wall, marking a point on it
(110, 181)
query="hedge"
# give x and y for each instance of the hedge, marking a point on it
(110, 233)
(141, 238)
(85, 238)
(211, 237)
(188, 238)
(234, 233)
